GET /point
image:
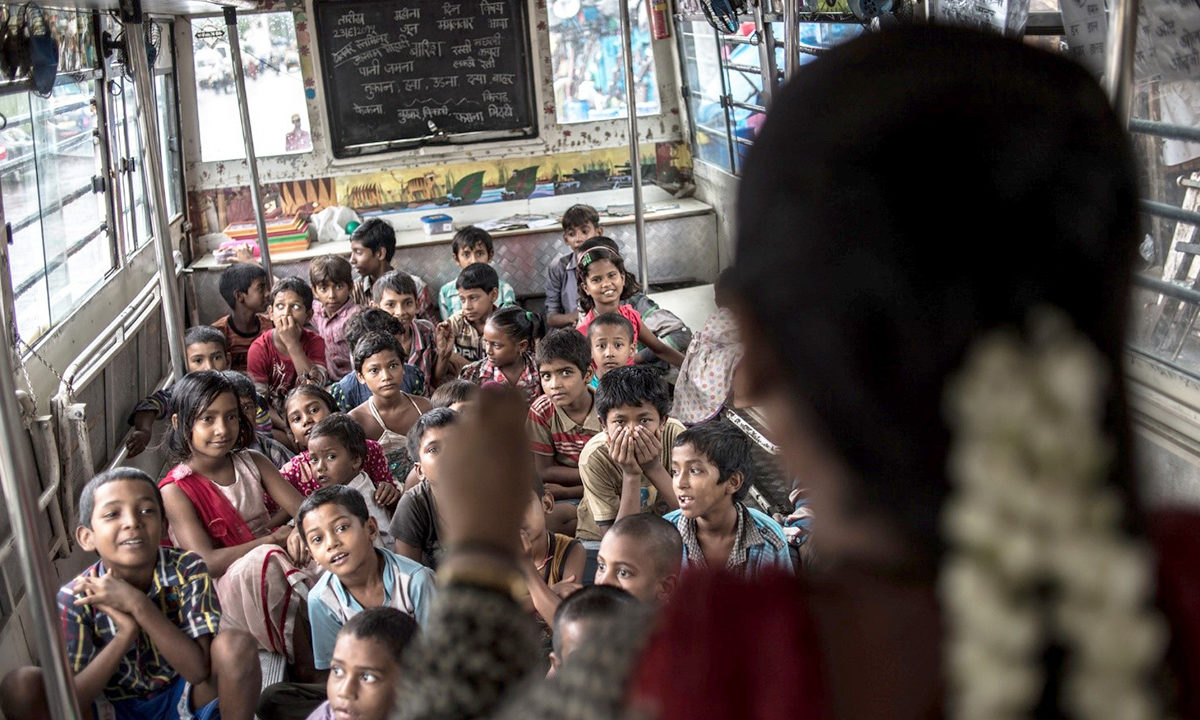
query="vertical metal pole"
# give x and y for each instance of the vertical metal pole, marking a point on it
(143, 81)
(239, 81)
(1118, 56)
(766, 54)
(635, 158)
(791, 37)
(18, 479)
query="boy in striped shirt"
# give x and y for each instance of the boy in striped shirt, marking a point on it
(562, 420)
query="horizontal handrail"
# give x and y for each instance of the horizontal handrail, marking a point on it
(110, 341)
(1170, 289)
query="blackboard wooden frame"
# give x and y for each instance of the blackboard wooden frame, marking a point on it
(342, 148)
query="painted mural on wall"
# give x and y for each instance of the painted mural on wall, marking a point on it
(467, 183)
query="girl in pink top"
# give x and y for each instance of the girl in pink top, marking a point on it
(603, 286)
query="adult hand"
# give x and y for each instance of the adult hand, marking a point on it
(484, 479)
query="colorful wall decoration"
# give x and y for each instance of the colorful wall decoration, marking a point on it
(465, 183)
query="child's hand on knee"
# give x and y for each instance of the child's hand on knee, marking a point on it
(387, 495)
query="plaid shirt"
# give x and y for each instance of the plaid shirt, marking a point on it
(449, 302)
(360, 293)
(332, 331)
(423, 353)
(483, 371)
(375, 466)
(181, 588)
(758, 547)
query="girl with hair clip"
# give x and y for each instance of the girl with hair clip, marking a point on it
(961, 427)
(509, 337)
(215, 507)
(604, 286)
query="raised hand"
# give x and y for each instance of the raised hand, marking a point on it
(485, 477)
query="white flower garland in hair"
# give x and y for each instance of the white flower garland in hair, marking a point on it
(1036, 552)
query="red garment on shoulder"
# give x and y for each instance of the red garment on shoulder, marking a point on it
(736, 649)
(733, 649)
(221, 519)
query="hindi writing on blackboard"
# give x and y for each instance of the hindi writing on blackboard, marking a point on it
(428, 69)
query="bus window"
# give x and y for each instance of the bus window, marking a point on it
(274, 86)
(61, 248)
(585, 53)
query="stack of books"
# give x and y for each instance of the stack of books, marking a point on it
(283, 234)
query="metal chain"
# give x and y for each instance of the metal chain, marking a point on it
(20, 342)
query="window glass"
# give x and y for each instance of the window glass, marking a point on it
(168, 128)
(61, 249)
(129, 162)
(274, 87)
(1167, 281)
(702, 74)
(588, 64)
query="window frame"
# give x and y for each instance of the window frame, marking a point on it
(104, 70)
(191, 19)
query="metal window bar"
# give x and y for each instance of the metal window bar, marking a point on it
(728, 111)
(1170, 131)
(1170, 212)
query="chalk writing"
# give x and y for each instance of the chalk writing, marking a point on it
(464, 63)
(498, 23)
(503, 79)
(371, 70)
(413, 84)
(445, 81)
(456, 24)
(468, 118)
(491, 8)
(377, 88)
(352, 18)
(449, 9)
(368, 109)
(500, 111)
(408, 13)
(427, 48)
(490, 96)
(399, 67)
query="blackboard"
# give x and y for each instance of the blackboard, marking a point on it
(403, 74)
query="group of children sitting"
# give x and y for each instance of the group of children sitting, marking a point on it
(302, 517)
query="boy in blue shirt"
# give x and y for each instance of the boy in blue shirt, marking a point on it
(471, 245)
(579, 223)
(340, 534)
(710, 471)
(141, 624)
